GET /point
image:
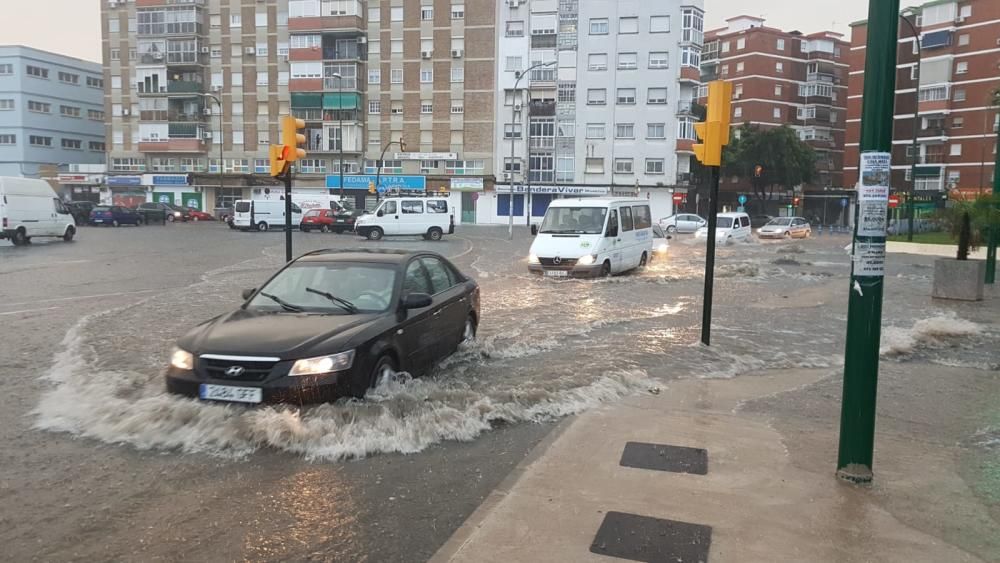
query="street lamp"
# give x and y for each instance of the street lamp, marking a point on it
(218, 102)
(513, 116)
(381, 158)
(916, 124)
(340, 126)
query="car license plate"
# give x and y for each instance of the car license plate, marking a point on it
(229, 393)
(98, 220)
(556, 273)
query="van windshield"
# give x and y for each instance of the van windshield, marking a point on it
(242, 206)
(574, 220)
(725, 223)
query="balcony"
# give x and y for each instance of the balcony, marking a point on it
(180, 117)
(185, 131)
(543, 75)
(933, 131)
(542, 142)
(182, 145)
(690, 107)
(822, 77)
(185, 87)
(542, 109)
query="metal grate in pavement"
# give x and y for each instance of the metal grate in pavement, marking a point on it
(652, 540)
(662, 457)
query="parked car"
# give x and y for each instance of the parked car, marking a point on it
(317, 219)
(786, 227)
(30, 208)
(330, 323)
(682, 223)
(429, 217)
(345, 216)
(156, 212)
(80, 210)
(758, 221)
(197, 214)
(660, 243)
(115, 216)
(728, 227)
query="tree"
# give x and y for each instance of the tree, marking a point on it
(785, 160)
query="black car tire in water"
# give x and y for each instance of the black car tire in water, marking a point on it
(304, 229)
(171, 218)
(642, 261)
(375, 234)
(262, 226)
(68, 235)
(20, 238)
(605, 269)
(434, 234)
(324, 229)
(115, 223)
(385, 366)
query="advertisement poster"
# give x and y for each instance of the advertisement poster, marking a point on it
(869, 259)
(873, 194)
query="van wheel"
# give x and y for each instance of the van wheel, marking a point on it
(115, 223)
(68, 235)
(262, 226)
(434, 234)
(375, 234)
(643, 260)
(20, 238)
(606, 269)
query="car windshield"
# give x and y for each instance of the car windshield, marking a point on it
(328, 288)
(724, 223)
(781, 222)
(242, 206)
(574, 220)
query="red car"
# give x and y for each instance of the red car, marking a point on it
(197, 215)
(319, 219)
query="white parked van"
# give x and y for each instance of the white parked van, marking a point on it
(430, 217)
(592, 237)
(263, 214)
(729, 227)
(30, 208)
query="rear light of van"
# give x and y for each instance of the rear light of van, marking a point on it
(5, 222)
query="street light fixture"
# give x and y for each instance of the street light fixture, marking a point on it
(381, 159)
(513, 116)
(218, 102)
(916, 123)
(340, 127)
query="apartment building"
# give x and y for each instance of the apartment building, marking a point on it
(784, 78)
(945, 78)
(51, 112)
(606, 105)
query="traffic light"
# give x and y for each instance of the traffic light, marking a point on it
(714, 131)
(371, 187)
(291, 138)
(758, 171)
(795, 202)
(402, 145)
(278, 162)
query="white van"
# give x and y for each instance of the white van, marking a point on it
(430, 217)
(263, 214)
(592, 237)
(729, 227)
(30, 208)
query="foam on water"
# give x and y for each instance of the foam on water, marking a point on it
(935, 332)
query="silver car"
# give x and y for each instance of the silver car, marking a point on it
(785, 227)
(682, 223)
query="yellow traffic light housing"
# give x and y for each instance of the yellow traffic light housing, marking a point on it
(714, 131)
(709, 151)
(371, 187)
(291, 138)
(278, 162)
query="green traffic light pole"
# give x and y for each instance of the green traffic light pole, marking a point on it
(994, 230)
(864, 312)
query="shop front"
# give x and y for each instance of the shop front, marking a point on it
(359, 186)
(126, 191)
(469, 190)
(81, 187)
(504, 201)
(173, 189)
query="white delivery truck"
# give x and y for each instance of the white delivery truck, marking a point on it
(429, 217)
(263, 214)
(592, 237)
(30, 208)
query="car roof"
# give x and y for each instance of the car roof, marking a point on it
(380, 255)
(732, 214)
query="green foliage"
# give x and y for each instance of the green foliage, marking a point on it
(786, 160)
(983, 212)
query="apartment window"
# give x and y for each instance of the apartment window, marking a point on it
(37, 71)
(628, 25)
(396, 46)
(7, 104)
(778, 67)
(6, 69)
(965, 12)
(312, 166)
(656, 96)
(659, 24)
(741, 43)
(215, 20)
(427, 13)
(628, 61)
(72, 144)
(599, 26)
(260, 19)
(685, 128)
(374, 76)
(396, 108)
(426, 75)
(235, 21)
(739, 67)
(565, 166)
(457, 106)
(237, 137)
(305, 41)
(691, 56)
(725, 47)
(725, 70)
(463, 167)
(656, 131)
(959, 94)
(113, 25)
(659, 59)
(374, 15)
(39, 141)
(962, 67)
(426, 107)
(116, 82)
(457, 74)
(513, 64)
(595, 131)
(597, 97)
(262, 79)
(738, 111)
(781, 44)
(97, 146)
(776, 113)
(39, 107)
(6, 139)
(396, 76)
(623, 166)
(654, 166)
(777, 90)
(593, 166)
(597, 61)
(515, 29)
(374, 106)
(69, 78)
(457, 11)
(566, 92)
(956, 149)
(69, 111)
(512, 130)
(95, 82)
(958, 123)
(237, 78)
(963, 40)
(626, 96)
(625, 131)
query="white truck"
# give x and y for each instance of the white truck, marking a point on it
(263, 214)
(30, 208)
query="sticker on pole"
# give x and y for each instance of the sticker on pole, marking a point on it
(873, 194)
(869, 259)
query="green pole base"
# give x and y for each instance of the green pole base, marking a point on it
(856, 473)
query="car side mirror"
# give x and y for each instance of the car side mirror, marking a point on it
(247, 293)
(534, 230)
(417, 301)
(380, 213)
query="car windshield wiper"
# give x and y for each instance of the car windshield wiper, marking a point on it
(284, 304)
(344, 303)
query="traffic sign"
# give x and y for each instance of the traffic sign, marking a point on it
(678, 198)
(894, 201)
(742, 199)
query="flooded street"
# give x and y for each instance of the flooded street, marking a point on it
(100, 463)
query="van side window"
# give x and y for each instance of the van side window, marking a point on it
(745, 221)
(389, 208)
(437, 206)
(412, 206)
(626, 214)
(642, 217)
(612, 230)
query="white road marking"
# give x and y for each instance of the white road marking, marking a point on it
(94, 296)
(28, 311)
(468, 250)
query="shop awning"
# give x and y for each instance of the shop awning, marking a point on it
(337, 100)
(307, 100)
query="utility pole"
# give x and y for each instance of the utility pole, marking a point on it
(994, 229)
(525, 169)
(916, 127)
(864, 312)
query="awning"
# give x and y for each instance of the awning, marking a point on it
(337, 100)
(307, 100)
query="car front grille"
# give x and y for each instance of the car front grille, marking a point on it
(252, 370)
(564, 263)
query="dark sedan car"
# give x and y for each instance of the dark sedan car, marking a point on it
(114, 215)
(156, 212)
(330, 323)
(81, 211)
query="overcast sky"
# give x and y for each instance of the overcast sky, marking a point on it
(73, 27)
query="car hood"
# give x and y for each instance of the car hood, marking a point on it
(284, 335)
(564, 246)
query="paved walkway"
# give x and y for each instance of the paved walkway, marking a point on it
(945, 250)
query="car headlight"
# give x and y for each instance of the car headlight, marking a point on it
(177, 213)
(662, 247)
(586, 260)
(181, 359)
(323, 364)
(532, 258)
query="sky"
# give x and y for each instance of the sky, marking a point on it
(73, 27)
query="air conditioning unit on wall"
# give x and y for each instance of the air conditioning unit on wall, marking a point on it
(457, 53)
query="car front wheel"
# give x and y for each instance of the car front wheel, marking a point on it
(262, 226)
(383, 370)
(375, 234)
(68, 235)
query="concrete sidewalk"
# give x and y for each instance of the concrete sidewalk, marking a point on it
(760, 503)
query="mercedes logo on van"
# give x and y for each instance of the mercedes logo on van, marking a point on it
(234, 371)
(557, 260)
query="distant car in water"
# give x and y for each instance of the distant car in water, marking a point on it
(317, 220)
(660, 244)
(115, 216)
(155, 211)
(80, 210)
(785, 227)
(682, 223)
(328, 324)
(197, 214)
(728, 227)
(758, 221)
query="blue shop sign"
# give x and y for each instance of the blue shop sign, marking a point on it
(124, 180)
(386, 182)
(170, 179)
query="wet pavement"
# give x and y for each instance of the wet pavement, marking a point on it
(99, 463)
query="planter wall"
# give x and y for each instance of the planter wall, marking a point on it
(959, 279)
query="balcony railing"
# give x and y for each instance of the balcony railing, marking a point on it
(542, 142)
(185, 86)
(543, 41)
(933, 131)
(333, 84)
(822, 77)
(542, 109)
(927, 159)
(187, 117)
(185, 131)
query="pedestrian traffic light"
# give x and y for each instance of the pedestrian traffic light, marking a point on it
(714, 131)
(278, 162)
(291, 138)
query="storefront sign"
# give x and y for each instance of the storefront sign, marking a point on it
(560, 190)
(75, 179)
(387, 182)
(466, 184)
(165, 179)
(426, 156)
(124, 180)
(873, 195)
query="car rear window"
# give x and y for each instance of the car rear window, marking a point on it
(102, 208)
(242, 206)
(437, 206)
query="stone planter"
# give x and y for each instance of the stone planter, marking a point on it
(959, 279)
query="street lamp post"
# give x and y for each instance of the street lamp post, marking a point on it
(916, 125)
(340, 126)
(218, 102)
(381, 158)
(513, 116)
